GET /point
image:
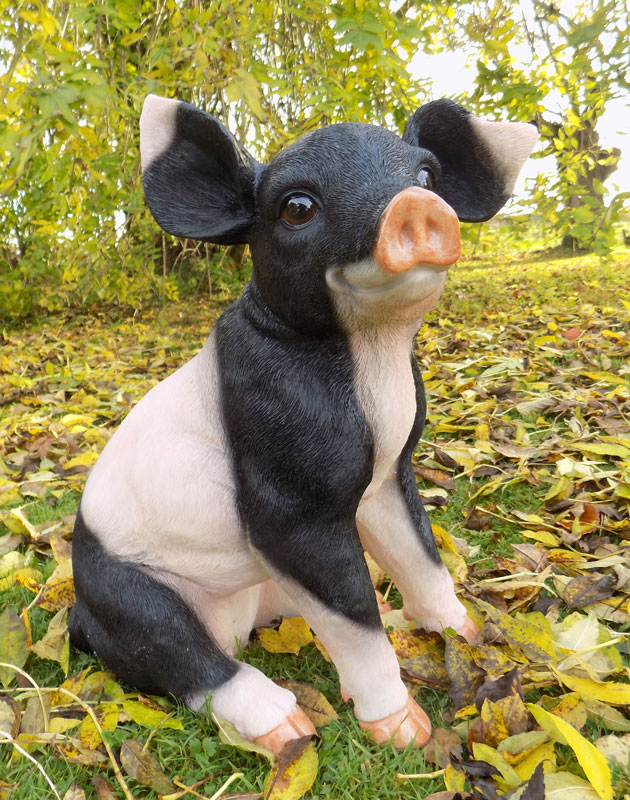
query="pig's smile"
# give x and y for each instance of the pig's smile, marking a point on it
(366, 279)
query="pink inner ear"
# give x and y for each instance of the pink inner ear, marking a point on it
(417, 227)
(510, 144)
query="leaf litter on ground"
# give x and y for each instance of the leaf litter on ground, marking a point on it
(524, 465)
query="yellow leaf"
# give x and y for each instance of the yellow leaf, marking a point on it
(55, 644)
(229, 735)
(590, 759)
(107, 716)
(602, 713)
(444, 540)
(618, 694)
(84, 460)
(493, 727)
(56, 595)
(510, 776)
(526, 764)
(13, 638)
(72, 684)
(295, 771)
(76, 419)
(150, 717)
(454, 780)
(541, 536)
(312, 702)
(525, 633)
(62, 724)
(293, 634)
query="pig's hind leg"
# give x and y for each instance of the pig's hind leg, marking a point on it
(396, 531)
(154, 641)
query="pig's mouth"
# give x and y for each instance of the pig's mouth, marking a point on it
(368, 280)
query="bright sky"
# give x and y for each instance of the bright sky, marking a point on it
(451, 76)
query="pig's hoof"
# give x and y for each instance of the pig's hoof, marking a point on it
(294, 726)
(410, 724)
(468, 630)
(383, 605)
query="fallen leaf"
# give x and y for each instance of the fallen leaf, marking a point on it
(294, 772)
(436, 476)
(13, 638)
(55, 644)
(571, 709)
(73, 751)
(561, 785)
(464, 674)
(292, 634)
(10, 716)
(75, 792)
(617, 694)
(509, 777)
(103, 788)
(229, 735)
(150, 717)
(33, 715)
(6, 789)
(443, 745)
(142, 767)
(586, 589)
(107, 716)
(493, 726)
(312, 702)
(590, 759)
(603, 714)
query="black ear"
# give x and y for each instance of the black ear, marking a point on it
(199, 182)
(480, 159)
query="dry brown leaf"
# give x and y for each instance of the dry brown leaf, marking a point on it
(143, 767)
(10, 716)
(312, 702)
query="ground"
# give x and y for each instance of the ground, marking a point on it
(525, 468)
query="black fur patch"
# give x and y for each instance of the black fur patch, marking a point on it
(302, 452)
(470, 182)
(406, 474)
(139, 627)
(202, 186)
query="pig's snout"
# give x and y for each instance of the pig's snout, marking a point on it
(417, 227)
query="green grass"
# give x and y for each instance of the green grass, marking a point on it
(350, 766)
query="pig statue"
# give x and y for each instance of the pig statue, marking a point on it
(246, 486)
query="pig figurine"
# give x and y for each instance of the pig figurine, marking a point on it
(246, 486)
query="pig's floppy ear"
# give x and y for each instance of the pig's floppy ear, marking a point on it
(480, 159)
(198, 181)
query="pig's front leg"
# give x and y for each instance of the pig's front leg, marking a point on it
(365, 660)
(396, 531)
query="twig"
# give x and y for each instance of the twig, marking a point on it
(401, 776)
(8, 738)
(35, 685)
(97, 725)
(187, 789)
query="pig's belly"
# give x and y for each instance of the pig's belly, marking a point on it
(162, 493)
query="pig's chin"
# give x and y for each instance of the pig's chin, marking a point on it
(366, 282)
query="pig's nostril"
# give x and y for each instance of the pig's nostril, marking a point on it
(408, 235)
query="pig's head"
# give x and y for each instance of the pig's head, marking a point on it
(351, 222)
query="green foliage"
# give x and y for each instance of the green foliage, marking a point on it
(558, 68)
(75, 229)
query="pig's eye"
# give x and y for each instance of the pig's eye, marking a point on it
(426, 179)
(298, 209)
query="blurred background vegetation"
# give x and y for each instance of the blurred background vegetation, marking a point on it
(74, 231)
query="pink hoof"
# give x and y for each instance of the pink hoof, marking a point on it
(383, 605)
(468, 630)
(408, 725)
(294, 726)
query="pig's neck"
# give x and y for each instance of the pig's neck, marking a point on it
(263, 317)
